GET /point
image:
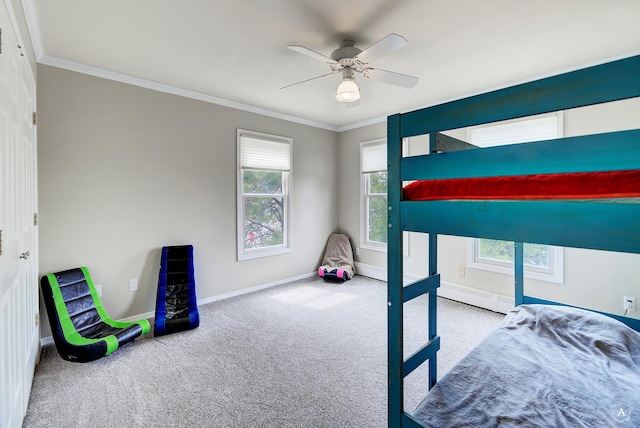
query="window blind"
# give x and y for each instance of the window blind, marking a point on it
(374, 158)
(262, 154)
(522, 131)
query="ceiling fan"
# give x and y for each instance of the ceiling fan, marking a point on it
(350, 60)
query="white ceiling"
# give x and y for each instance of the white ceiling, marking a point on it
(234, 52)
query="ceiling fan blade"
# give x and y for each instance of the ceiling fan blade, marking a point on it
(313, 78)
(312, 54)
(391, 77)
(382, 47)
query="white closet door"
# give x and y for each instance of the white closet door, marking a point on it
(19, 331)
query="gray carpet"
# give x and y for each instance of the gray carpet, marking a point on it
(305, 354)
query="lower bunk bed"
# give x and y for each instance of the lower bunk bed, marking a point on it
(543, 366)
(547, 364)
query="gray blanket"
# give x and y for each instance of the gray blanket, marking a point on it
(339, 255)
(544, 366)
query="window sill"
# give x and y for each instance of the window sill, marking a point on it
(260, 253)
(381, 248)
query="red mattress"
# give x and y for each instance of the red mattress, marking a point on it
(580, 185)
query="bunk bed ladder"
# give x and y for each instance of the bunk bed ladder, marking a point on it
(399, 368)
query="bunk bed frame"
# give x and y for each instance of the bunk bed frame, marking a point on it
(540, 221)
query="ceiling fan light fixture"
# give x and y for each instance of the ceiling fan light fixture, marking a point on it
(348, 91)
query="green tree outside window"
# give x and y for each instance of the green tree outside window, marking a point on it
(263, 208)
(377, 207)
(536, 255)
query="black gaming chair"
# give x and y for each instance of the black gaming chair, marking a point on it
(82, 330)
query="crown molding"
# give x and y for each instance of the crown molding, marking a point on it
(161, 87)
(362, 124)
(33, 24)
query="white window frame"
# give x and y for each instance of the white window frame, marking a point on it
(365, 196)
(287, 186)
(550, 126)
(554, 273)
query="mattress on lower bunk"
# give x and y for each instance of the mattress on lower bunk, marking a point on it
(578, 185)
(544, 366)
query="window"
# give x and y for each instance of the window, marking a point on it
(373, 167)
(264, 194)
(538, 128)
(543, 262)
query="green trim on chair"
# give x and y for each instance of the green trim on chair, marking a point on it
(69, 330)
(144, 324)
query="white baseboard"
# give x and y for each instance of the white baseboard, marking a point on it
(252, 289)
(371, 271)
(473, 296)
(380, 273)
(148, 315)
(48, 340)
(460, 293)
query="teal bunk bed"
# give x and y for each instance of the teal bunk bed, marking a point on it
(496, 384)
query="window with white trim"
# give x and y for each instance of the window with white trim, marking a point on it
(542, 262)
(264, 194)
(373, 191)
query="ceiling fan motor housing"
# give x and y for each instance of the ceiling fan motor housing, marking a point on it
(347, 49)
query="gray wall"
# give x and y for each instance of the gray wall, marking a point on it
(125, 170)
(349, 206)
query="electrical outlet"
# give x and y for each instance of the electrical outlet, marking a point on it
(461, 271)
(357, 251)
(631, 301)
(133, 284)
(99, 289)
